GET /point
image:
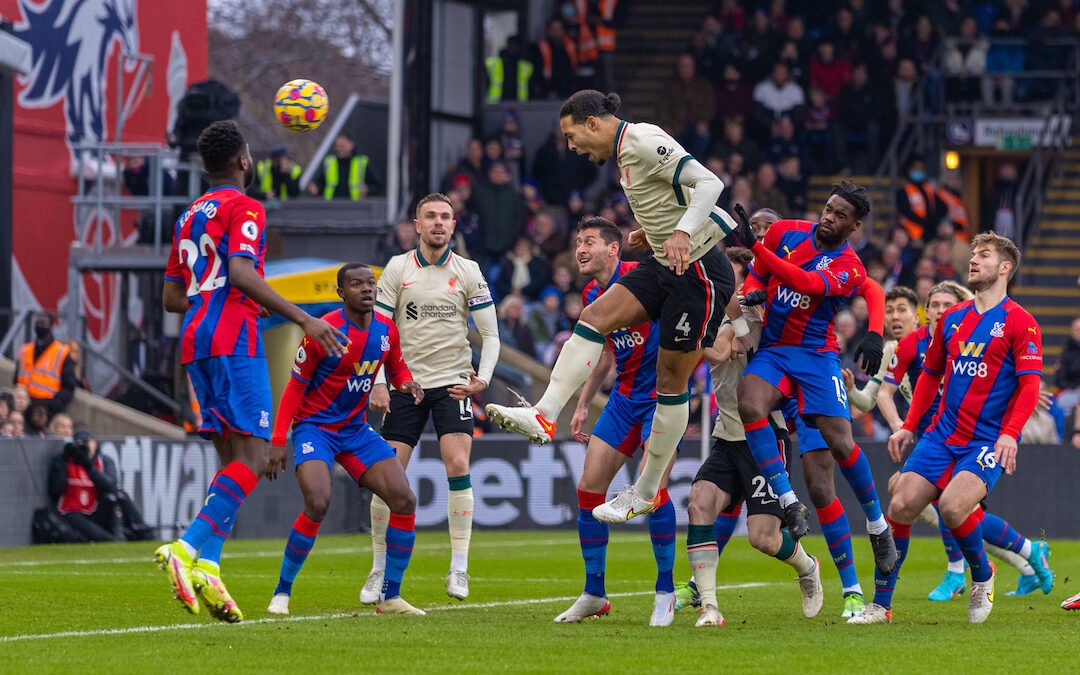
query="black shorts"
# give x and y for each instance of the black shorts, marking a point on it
(406, 420)
(689, 308)
(732, 468)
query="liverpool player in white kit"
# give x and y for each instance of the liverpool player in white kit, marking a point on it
(685, 286)
(430, 293)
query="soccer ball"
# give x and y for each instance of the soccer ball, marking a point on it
(301, 105)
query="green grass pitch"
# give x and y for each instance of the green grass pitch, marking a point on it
(106, 608)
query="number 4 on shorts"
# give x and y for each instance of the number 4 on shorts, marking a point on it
(682, 326)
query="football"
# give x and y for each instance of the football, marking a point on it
(301, 105)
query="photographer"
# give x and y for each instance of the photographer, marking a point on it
(83, 487)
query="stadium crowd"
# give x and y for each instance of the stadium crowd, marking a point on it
(768, 93)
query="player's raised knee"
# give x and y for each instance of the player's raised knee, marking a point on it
(902, 508)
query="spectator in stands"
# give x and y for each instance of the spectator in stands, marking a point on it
(43, 368)
(798, 70)
(513, 329)
(820, 134)
(1004, 58)
(917, 205)
(277, 177)
(75, 354)
(7, 429)
(37, 420)
(547, 236)
(861, 109)
(778, 17)
(964, 62)
(21, 396)
(736, 166)
(845, 36)
(61, 426)
(948, 16)
(956, 213)
(706, 62)
(84, 490)
(998, 209)
(546, 320)
(908, 253)
(783, 143)
(760, 34)
(558, 171)
(793, 184)
(509, 73)
(796, 33)
(554, 60)
(863, 247)
(513, 148)
(1043, 54)
(402, 238)
(736, 141)
(884, 61)
(686, 107)
(1067, 371)
(742, 192)
(940, 253)
(959, 251)
(777, 96)
(580, 32)
(345, 174)
(922, 46)
(766, 195)
(522, 272)
(499, 211)
(829, 72)
(18, 424)
(471, 166)
(731, 16)
(575, 208)
(467, 229)
(718, 40)
(7, 404)
(906, 90)
(897, 274)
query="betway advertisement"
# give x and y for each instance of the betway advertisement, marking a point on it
(70, 97)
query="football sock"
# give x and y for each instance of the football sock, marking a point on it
(791, 553)
(668, 426)
(885, 585)
(956, 557)
(297, 546)
(969, 538)
(576, 361)
(459, 511)
(725, 526)
(226, 493)
(662, 532)
(837, 531)
(1015, 559)
(400, 537)
(704, 556)
(999, 533)
(210, 554)
(762, 442)
(594, 540)
(856, 470)
(380, 516)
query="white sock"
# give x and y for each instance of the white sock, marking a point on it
(704, 560)
(878, 526)
(857, 588)
(957, 567)
(380, 519)
(576, 362)
(1025, 550)
(801, 561)
(1015, 559)
(668, 427)
(788, 498)
(190, 549)
(929, 515)
(459, 510)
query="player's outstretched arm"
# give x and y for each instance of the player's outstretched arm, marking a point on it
(722, 348)
(588, 392)
(707, 189)
(887, 405)
(243, 276)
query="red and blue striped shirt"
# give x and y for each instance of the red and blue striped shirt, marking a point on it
(220, 320)
(908, 360)
(634, 348)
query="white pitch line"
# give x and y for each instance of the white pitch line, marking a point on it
(333, 551)
(327, 617)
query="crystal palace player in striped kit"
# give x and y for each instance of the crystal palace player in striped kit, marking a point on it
(215, 276)
(326, 400)
(986, 354)
(622, 428)
(1000, 539)
(817, 274)
(684, 286)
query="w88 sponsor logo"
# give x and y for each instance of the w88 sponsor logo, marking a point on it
(786, 296)
(970, 368)
(627, 340)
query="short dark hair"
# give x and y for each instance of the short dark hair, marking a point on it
(609, 231)
(903, 293)
(589, 103)
(433, 197)
(739, 256)
(768, 213)
(345, 269)
(855, 195)
(219, 144)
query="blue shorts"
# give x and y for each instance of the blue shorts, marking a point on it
(811, 377)
(234, 394)
(625, 423)
(355, 451)
(809, 438)
(938, 463)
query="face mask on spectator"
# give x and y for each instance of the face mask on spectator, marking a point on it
(917, 176)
